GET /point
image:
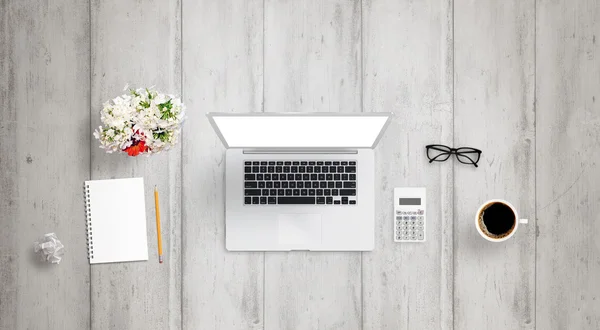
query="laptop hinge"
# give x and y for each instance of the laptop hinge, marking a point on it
(299, 151)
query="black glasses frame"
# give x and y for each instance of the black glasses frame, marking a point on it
(463, 154)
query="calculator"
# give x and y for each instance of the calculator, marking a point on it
(409, 214)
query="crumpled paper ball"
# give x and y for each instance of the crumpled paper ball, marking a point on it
(49, 248)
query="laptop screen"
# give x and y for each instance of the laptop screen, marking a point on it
(299, 130)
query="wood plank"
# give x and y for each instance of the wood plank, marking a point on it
(222, 47)
(568, 160)
(44, 126)
(494, 111)
(313, 52)
(139, 45)
(409, 72)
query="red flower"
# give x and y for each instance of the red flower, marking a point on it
(136, 148)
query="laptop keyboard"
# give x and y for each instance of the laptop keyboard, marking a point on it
(326, 182)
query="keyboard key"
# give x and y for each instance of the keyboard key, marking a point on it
(255, 163)
(248, 200)
(255, 169)
(317, 169)
(247, 163)
(325, 169)
(263, 200)
(280, 192)
(296, 163)
(294, 169)
(303, 163)
(332, 169)
(304, 192)
(279, 163)
(344, 200)
(292, 184)
(330, 184)
(352, 176)
(300, 184)
(276, 184)
(261, 184)
(286, 169)
(267, 176)
(259, 177)
(314, 177)
(271, 169)
(336, 163)
(311, 192)
(344, 177)
(255, 200)
(315, 184)
(352, 163)
(290, 177)
(269, 184)
(319, 192)
(334, 192)
(344, 163)
(297, 177)
(263, 169)
(271, 163)
(320, 200)
(305, 177)
(288, 163)
(338, 184)
(278, 169)
(296, 192)
(327, 192)
(337, 177)
(321, 177)
(265, 192)
(329, 177)
(302, 169)
(327, 163)
(336, 202)
(275, 177)
(311, 163)
(329, 200)
(322, 184)
(306, 184)
(247, 169)
(288, 192)
(309, 169)
(272, 192)
(272, 200)
(250, 184)
(295, 200)
(352, 202)
(347, 192)
(263, 163)
(319, 163)
(350, 169)
(284, 185)
(340, 169)
(349, 184)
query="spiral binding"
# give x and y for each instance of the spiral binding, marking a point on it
(88, 221)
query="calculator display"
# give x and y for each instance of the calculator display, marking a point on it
(410, 201)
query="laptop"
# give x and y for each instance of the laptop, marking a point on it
(299, 181)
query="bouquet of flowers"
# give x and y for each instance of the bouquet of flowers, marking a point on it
(143, 121)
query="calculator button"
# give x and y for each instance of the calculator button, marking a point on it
(421, 236)
(420, 217)
(421, 212)
(420, 228)
(413, 218)
(414, 238)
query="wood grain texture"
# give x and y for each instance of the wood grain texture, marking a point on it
(409, 285)
(44, 125)
(222, 43)
(138, 44)
(312, 63)
(568, 158)
(494, 111)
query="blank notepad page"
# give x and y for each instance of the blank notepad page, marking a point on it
(116, 220)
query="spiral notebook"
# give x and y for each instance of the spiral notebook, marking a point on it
(116, 220)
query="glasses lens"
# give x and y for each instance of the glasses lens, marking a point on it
(438, 153)
(468, 158)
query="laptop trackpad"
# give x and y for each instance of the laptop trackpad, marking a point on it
(299, 229)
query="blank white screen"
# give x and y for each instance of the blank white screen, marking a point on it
(300, 131)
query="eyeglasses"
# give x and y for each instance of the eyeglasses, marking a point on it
(441, 153)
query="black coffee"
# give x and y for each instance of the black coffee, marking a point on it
(498, 220)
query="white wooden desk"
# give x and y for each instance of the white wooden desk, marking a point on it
(518, 79)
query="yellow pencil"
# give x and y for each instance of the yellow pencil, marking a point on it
(160, 253)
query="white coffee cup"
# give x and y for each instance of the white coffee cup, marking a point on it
(479, 214)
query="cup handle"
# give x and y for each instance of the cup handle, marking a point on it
(524, 221)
